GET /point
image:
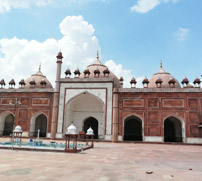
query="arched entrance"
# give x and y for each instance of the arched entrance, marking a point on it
(40, 124)
(133, 129)
(85, 105)
(8, 125)
(93, 123)
(172, 130)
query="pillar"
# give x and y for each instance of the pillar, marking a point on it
(115, 115)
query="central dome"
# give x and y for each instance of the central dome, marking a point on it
(98, 66)
(165, 77)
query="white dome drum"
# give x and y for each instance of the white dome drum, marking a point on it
(18, 129)
(71, 129)
(90, 131)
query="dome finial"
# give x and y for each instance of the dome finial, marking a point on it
(97, 55)
(161, 64)
(40, 67)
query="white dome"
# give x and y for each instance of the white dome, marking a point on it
(90, 131)
(18, 129)
(71, 129)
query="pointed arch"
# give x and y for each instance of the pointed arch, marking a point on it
(133, 128)
(3, 115)
(83, 106)
(80, 94)
(33, 122)
(177, 128)
(93, 123)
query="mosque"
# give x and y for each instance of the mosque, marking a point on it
(164, 110)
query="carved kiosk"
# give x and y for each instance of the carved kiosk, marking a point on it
(71, 133)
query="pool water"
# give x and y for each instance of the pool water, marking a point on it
(40, 144)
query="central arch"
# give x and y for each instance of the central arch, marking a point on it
(133, 129)
(172, 130)
(82, 106)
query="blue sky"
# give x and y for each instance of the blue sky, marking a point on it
(134, 34)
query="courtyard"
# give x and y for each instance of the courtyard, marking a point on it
(106, 162)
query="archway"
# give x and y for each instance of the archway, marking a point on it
(85, 105)
(40, 124)
(93, 123)
(133, 129)
(8, 125)
(172, 130)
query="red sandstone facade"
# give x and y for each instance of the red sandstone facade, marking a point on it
(32, 104)
(153, 108)
(160, 111)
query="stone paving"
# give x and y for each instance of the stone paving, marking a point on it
(106, 162)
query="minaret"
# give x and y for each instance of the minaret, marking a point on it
(56, 96)
(58, 73)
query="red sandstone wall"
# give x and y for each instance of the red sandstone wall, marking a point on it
(31, 104)
(154, 108)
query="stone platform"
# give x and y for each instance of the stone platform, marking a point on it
(106, 162)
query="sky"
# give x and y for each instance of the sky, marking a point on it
(132, 36)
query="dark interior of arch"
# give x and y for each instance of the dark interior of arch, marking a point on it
(172, 130)
(93, 123)
(8, 125)
(133, 129)
(41, 124)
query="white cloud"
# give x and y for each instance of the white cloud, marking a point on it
(119, 71)
(144, 6)
(19, 58)
(182, 34)
(7, 5)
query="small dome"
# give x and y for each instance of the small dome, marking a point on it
(86, 72)
(96, 71)
(145, 81)
(197, 81)
(43, 82)
(37, 78)
(71, 129)
(165, 77)
(68, 72)
(171, 81)
(121, 79)
(133, 80)
(59, 56)
(22, 82)
(12, 82)
(98, 65)
(2, 82)
(106, 71)
(18, 129)
(159, 81)
(185, 81)
(77, 72)
(32, 82)
(90, 131)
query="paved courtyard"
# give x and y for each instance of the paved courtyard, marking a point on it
(106, 162)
